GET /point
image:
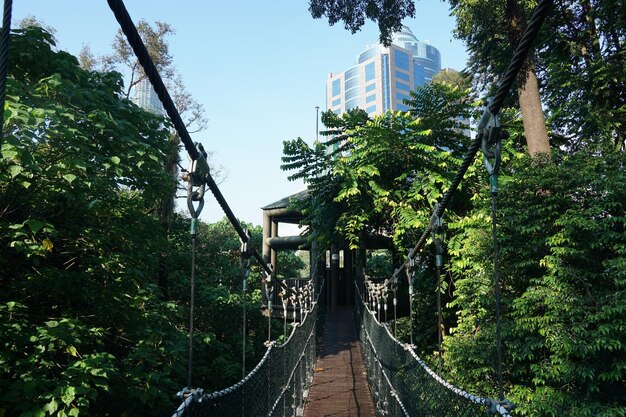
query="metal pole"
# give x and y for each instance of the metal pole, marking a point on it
(317, 121)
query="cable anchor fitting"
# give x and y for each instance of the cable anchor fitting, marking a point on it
(196, 178)
(492, 134)
(439, 232)
(410, 267)
(246, 253)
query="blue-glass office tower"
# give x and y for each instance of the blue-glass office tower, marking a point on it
(146, 98)
(383, 76)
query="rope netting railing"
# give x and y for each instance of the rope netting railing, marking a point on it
(402, 384)
(277, 386)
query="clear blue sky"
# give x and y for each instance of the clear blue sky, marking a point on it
(258, 67)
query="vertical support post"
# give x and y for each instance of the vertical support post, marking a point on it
(334, 275)
(348, 273)
(274, 253)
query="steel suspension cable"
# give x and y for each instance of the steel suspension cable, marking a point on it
(5, 37)
(521, 52)
(134, 39)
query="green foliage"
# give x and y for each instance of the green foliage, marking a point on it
(388, 14)
(381, 175)
(584, 72)
(562, 262)
(579, 61)
(379, 264)
(86, 328)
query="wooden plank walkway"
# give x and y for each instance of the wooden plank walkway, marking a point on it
(339, 387)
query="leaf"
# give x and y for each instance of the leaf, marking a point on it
(116, 160)
(34, 225)
(15, 170)
(69, 177)
(51, 407)
(69, 395)
(9, 151)
(47, 244)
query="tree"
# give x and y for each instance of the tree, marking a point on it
(80, 168)
(583, 73)
(453, 78)
(491, 31)
(387, 13)
(561, 231)
(84, 327)
(155, 38)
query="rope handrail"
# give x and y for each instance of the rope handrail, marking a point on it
(492, 109)
(309, 322)
(393, 391)
(293, 371)
(489, 402)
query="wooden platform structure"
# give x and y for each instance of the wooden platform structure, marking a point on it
(339, 387)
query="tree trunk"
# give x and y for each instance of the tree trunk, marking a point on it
(532, 116)
(528, 87)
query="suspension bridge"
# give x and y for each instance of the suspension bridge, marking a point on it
(337, 361)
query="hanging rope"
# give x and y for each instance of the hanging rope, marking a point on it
(245, 267)
(438, 240)
(492, 150)
(409, 277)
(195, 194)
(5, 37)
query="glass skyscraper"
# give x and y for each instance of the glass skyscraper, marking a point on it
(383, 76)
(146, 98)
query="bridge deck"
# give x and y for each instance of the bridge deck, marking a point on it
(339, 387)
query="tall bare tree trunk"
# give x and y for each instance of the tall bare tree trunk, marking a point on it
(528, 87)
(532, 116)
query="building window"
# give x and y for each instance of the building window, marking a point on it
(352, 72)
(370, 87)
(402, 60)
(418, 76)
(371, 109)
(370, 98)
(352, 104)
(351, 83)
(403, 107)
(352, 93)
(402, 86)
(336, 102)
(401, 97)
(369, 54)
(402, 75)
(336, 87)
(370, 72)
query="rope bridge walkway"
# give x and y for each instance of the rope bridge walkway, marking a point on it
(285, 383)
(339, 387)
